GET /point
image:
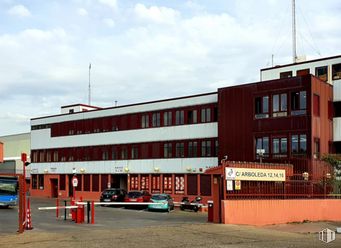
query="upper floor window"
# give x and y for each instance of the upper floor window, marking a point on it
(192, 149)
(55, 156)
(167, 150)
(336, 71)
(279, 105)
(206, 115)
(192, 116)
(279, 147)
(206, 148)
(322, 73)
(302, 72)
(156, 120)
(179, 150)
(145, 121)
(134, 152)
(167, 118)
(262, 143)
(105, 155)
(299, 144)
(262, 107)
(298, 103)
(124, 153)
(316, 148)
(179, 117)
(286, 74)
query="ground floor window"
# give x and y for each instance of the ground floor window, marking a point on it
(167, 184)
(179, 184)
(34, 181)
(41, 181)
(156, 184)
(145, 182)
(134, 182)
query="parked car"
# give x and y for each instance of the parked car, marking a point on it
(137, 196)
(166, 201)
(113, 195)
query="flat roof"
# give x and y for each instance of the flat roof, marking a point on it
(300, 63)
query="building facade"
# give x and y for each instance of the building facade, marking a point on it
(326, 69)
(162, 146)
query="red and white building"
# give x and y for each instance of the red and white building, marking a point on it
(166, 146)
(160, 146)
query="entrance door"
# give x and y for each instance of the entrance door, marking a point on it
(217, 195)
(54, 188)
(70, 186)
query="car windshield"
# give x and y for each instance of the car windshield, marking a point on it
(159, 197)
(8, 188)
(134, 194)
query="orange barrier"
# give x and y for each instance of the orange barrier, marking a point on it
(265, 212)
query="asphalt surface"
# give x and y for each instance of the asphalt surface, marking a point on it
(119, 227)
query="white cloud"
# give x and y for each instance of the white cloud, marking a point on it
(156, 14)
(109, 22)
(82, 12)
(19, 10)
(110, 3)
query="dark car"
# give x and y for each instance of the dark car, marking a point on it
(137, 196)
(113, 195)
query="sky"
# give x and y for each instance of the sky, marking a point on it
(146, 50)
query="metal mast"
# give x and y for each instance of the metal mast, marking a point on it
(89, 100)
(294, 54)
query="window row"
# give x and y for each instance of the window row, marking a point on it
(320, 72)
(189, 115)
(278, 147)
(280, 106)
(171, 149)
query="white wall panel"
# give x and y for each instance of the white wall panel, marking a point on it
(337, 90)
(177, 103)
(337, 129)
(41, 139)
(174, 165)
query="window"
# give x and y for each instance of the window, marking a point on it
(316, 105)
(179, 117)
(41, 181)
(299, 144)
(105, 155)
(286, 74)
(302, 72)
(216, 149)
(113, 153)
(279, 147)
(48, 156)
(167, 118)
(34, 181)
(145, 121)
(262, 143)
(124, 153)
(261, 107)
(298, 103)
(134, 152)
(35, 156)
(279, 105)
(55, 156)
(206, 148)
(192, 116)
(179, 150)
(179, 184)
(316, 148)
(156, 120)
(41, 156)
(167, 150)
(336, 71)
(192, 149)
(206, 115)
(62, 181)
(322, 73)
(95, 182)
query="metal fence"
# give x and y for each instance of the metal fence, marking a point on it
(285, 190)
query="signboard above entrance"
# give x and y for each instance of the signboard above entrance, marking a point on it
(249, 174)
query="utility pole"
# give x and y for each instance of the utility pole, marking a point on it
(294, 54)
(89, 100)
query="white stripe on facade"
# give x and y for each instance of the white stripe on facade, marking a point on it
(41, 139)
(147, 107)
(157, 166)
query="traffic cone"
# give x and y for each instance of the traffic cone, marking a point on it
(28, 215)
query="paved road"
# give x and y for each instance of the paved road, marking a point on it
(116, 227)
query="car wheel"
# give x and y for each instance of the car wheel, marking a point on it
(182, 208)
(195, 209)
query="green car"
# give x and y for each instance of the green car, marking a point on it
(166, 201)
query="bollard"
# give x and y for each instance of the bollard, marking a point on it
(29, 219)
(57, 209)
(88, 211)
(65, 210)
(73, 211)
(92, 212)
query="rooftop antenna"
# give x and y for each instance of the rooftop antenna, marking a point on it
(294, 54)
(89, 100)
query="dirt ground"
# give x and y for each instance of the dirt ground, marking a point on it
(185, 235)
